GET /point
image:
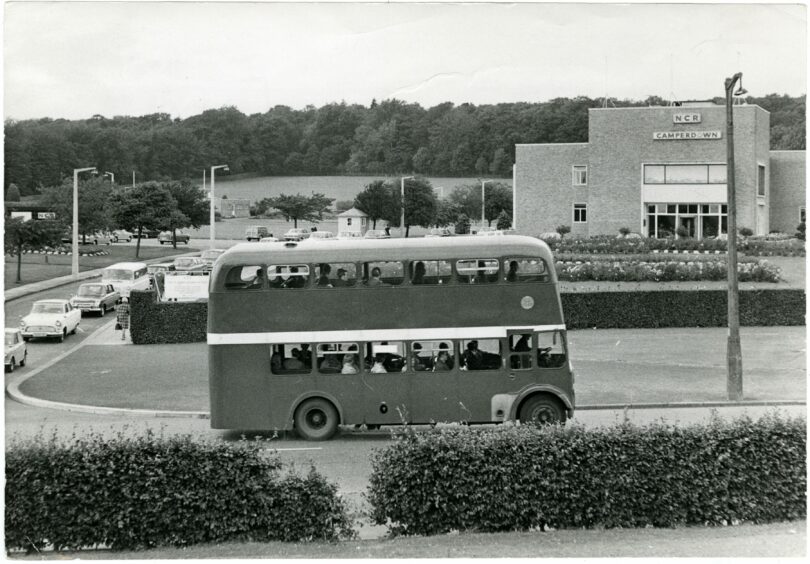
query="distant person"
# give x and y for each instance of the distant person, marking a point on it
(375, 280)
(342, 278)
(511, 276)
(523, 343)
(349, 365)
(418, 273)
(323, 279)
(122, 317)
(378, 367)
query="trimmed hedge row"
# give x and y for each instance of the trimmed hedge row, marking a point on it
(149, 491)
(523, 478)
(162, 323)
(665, 270)
(692, 308)
(152, 322)
(606, 244)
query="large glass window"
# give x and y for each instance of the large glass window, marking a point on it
(435, 356)
(685, 174)
(288, 275)
(654, 174)
(292, 358)
(477, 271)
(525, 270)
(484, 354)
(431, 272)
(717, 174)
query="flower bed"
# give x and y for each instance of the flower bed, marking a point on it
(91, 251)
(664, 270)
(756, 246)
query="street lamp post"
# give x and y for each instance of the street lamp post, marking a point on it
(734, 384)
(112, 177)
(213, 171)
(74, 270)
(402, 197)
(483, 202)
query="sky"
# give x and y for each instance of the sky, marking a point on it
(74, 60)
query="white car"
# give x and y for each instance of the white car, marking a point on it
(321, 236)
(268, 240)
(121, 235)
(16, 350)
(296, 234)
(210, 256)
(50, 318)
(440, 232)
(190, 264)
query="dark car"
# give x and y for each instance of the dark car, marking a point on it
(145, 233)
(166, 237)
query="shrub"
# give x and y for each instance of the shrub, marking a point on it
(152, 322)
(563, 230)
(746, 231)
(664, 269)
(624, 231)
(523, 478)
(149, 491)
(503, 221)
(800, 231)
(682, 232)
(462, 226)
(618, 245)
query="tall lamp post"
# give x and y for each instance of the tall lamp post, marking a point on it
(402, 200)
(112, 177)
(74, 270)
(734, 384)
(213, 173)
(483, 203)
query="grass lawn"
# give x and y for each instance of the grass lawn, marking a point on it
(36, 268)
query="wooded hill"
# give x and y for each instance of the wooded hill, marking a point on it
(388, 137)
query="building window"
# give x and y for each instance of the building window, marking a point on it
(580, 213)
(580, 175)
(348, 221)
(761, 180)
(801, 214)
(685, 174)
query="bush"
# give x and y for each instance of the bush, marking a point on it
(689, 308)
(800, 231)
(149, 491)
(563, 230)
(462, 226)
(682, 232)
(522, 478)
(604, 244)
(746, 231)
(665, 269)
(152, 322)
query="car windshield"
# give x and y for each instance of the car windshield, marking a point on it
(10, 339)
(117, 274)
(92, 291)
(48, 308)
(210, 254)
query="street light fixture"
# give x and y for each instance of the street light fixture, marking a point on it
(112, 177)
(213, 171)
(402, 196)
(74, 270)
(734, 384)
(483, 202)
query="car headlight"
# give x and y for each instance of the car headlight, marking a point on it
(58, 324)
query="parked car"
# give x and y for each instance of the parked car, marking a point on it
(121, 235)
(376, 234)
(159, 267)
(440, 232)
(50, 318)
(180, 237)
(296, 234)
(350, 235)
(95, 297)
(269, 240)
(189, 264)
(488, 232)
(209, 256)
(256, 232)
(145, 233)
(100, 238)
(16, 350)
(321, 236)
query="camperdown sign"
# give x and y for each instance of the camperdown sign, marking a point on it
(688, 135)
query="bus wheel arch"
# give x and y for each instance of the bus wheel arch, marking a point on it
(316, 419)
(542, 407)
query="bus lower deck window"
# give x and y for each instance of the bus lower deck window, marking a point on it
(288, 275)
(291, 358)
(484, 354)
(432, 356)
(477, 271)
(550, 349)
(384, 356)
(335, 358)
(525, 270)
(335, 275)
(245, 278)
(520, 351)
(431, 272)
(383, 273)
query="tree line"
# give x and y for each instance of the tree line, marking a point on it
(387, 138)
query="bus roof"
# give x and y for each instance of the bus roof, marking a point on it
(384, 250)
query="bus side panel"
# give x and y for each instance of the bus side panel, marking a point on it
(244, 394)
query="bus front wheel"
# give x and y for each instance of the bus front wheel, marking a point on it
(316, 420)
(542, 409)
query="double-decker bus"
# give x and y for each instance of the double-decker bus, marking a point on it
(314, 335)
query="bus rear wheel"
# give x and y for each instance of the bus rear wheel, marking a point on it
(542, 409)
(316, 420)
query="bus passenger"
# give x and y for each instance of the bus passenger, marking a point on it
(473, 357)
(342, 278)
(375, 277)
(323, 279)
(416, 362)
(330, 363)
(378, 364)
(349, 365)
(256, 281)
(443, 362)
(275, 363)
(294, 362)
(294, 281)
(418, 273)
(511, 276)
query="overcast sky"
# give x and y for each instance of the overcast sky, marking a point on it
(76, 59)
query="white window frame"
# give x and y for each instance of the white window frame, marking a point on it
(577, 173)
(574, 209)
(761, 186)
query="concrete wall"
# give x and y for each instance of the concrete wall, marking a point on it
(788, 175)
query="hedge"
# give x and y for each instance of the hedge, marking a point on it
(148, 491)
(692, 308)
(607, 244)
(529, 478)
(152, 322)
(663, 269)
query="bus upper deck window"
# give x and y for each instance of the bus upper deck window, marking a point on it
(477, 271)
(525, 270)
(431, 272)
(335, 275)
(244, 278)
(288, 275)
(383, 273)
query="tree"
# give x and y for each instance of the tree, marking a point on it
(32, 234)
(94, 197)
(13, 193)
(149, 205)
(446, 213)
(420, 203)
(193, 210)
(467, 199)
(462, 225)
(562, 230)
(298, 207)
(343, 205)
(504, 221)
(377, 201)
(498, 199)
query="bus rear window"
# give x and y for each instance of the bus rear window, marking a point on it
(431, 272)
(383, 273)
(335, 275)
(477, 271)
(244, 278)
(525, 270)
(288, 275)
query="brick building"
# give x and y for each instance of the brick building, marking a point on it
(655, 169)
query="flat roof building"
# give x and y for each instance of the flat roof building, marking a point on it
(657, 169)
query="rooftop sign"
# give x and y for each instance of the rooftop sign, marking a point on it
(688, 135)
(691, 117)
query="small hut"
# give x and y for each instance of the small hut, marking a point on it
(352, 221)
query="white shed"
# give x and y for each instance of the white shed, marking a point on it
(352, 221)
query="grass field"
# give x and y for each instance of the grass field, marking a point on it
(36, 268)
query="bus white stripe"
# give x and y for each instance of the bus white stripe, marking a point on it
(432, 333)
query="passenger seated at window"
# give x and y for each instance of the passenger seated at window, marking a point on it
(294, 362)
(277, 281)
(511, 276)
(443, 362)
(418, 273)
(323, 279)
(295, 280)
(275, 363)
(416, 361)
(375, 277)
(378, 367)
(473, 357)
(342, 278)
(330, 363)
(257, 281)
(444, 347)
(349, 365)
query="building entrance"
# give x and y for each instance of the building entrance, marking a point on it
(699, 220)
